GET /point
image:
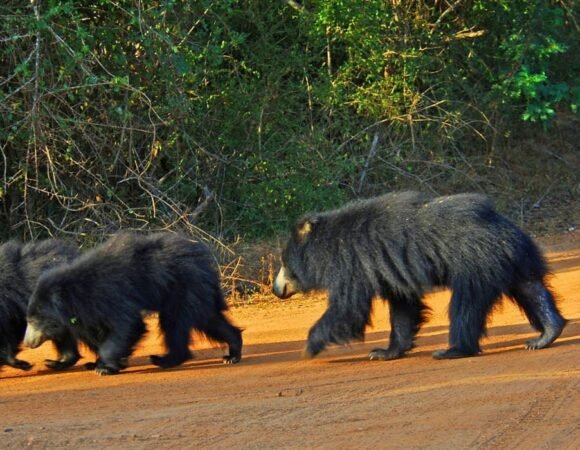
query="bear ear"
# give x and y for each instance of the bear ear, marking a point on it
(305, 226)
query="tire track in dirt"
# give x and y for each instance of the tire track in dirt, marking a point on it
(541, 409)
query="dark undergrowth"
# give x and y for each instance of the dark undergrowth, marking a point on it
(226, 120)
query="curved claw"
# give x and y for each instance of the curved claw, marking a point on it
(381, 354)
(232, 359)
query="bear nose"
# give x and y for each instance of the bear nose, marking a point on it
(279, 291)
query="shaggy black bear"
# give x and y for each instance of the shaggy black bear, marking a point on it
(20, 267)
(100, 299)
(400, 245)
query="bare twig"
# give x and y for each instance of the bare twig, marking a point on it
(372, 152)
(445, 13)
(209, 196)
(7, 80)
(15, 37)
(389, 119)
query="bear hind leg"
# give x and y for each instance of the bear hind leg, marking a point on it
(12, 334)
(8, 350)
(540, 308)
(219, 329)
(8, 358)
(406, 317)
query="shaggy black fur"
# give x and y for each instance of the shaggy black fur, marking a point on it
(100, 299)
(400, 245)
(20, 267)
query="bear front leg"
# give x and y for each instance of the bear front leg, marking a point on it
(66, 347)
(406, 316)
(316, 343)
(113, 353)
(109, 361)
(344, 321)
(320, 335)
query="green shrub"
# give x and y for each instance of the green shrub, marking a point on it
(237, 116)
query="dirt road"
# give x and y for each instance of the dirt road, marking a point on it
(506, 398)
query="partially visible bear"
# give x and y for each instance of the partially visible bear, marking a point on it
(20, 267)
(400, 245)
(101, 296)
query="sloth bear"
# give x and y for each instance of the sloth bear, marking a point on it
(100, 299)
(400, 245)
(20, 267)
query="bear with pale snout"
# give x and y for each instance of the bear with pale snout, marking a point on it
(101, 297)
(401, 245)
(20, 267)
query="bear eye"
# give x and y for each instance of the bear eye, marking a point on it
(50, 327)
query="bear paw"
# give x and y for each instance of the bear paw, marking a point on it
(20, 364)
(122, 364)
(309, 353)
(228, 359)
(312, 349)
(550, 334)
(169, 360)
(452, 353)
(58, 364)
(101, 368)
(106, 370)
(381, 354)
(534, 344)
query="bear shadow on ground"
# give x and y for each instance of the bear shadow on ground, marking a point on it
(256, 354)
(356, 352)
(142, 364)
(42, 371)
(429, 337)
(438, 337)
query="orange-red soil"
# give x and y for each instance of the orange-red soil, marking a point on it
(506, 398)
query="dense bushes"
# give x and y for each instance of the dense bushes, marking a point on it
(235, 116)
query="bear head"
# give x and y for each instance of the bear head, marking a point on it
(294, 274)
(45, 316)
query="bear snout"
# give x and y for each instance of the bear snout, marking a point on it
(33, 337)
(279, 290)
(283, 286)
